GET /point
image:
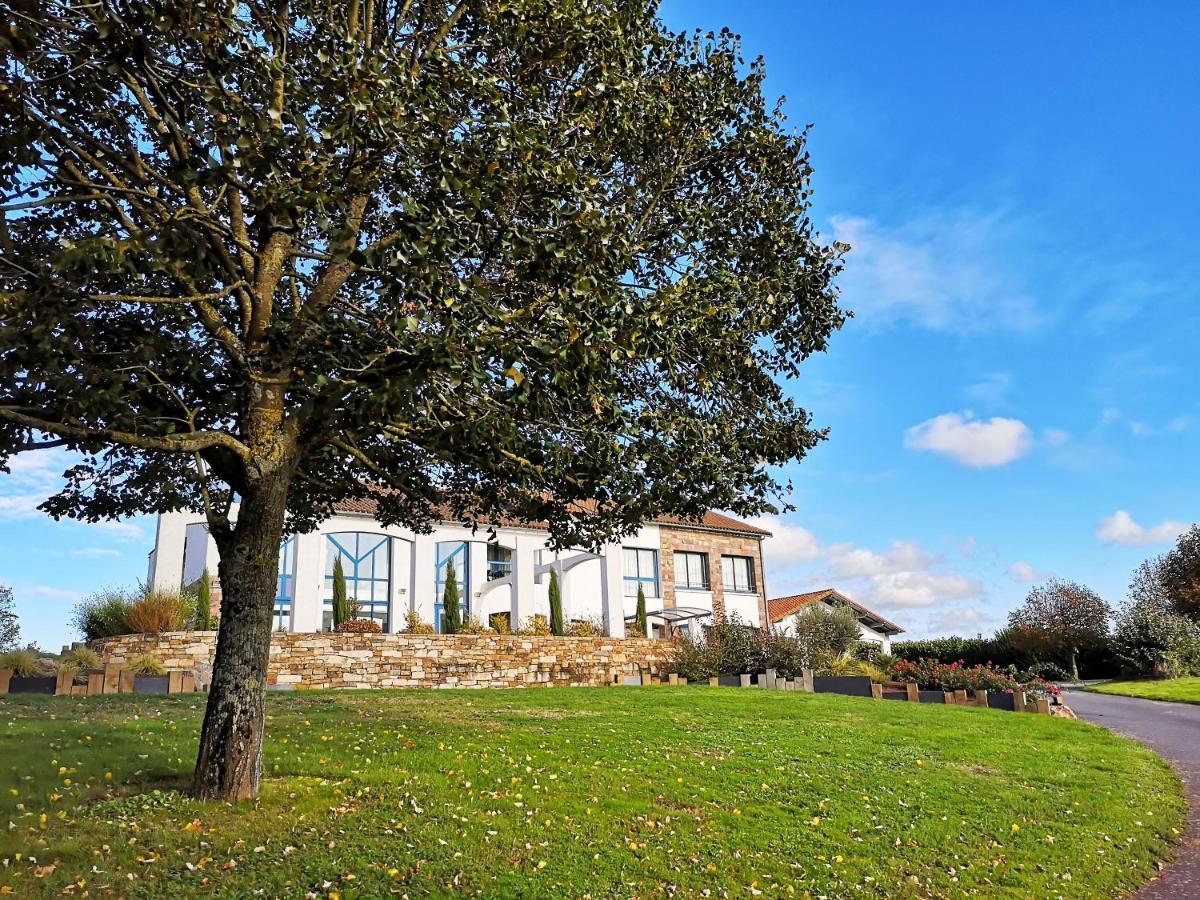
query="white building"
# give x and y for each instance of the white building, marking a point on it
(505, 570)
(872, 626)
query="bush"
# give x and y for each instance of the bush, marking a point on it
(852, 665)
(24, 663)
(80, 658)
(414, 625)
(585, 628)
(358, 626)
(158, 611)
(731, 645)
(204, 617)
(500, 622)
(1152, 640)
(929, 674)
(102, 615)
(146, 664)
(823, 634)
(773, 649)
(535, 626)
(1048, 671)
(473, 625)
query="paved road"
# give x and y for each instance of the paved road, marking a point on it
(1173, 730)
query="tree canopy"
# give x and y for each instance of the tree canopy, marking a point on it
(1061, 618)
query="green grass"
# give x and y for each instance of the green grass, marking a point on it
(1178, 690)
(572, 792)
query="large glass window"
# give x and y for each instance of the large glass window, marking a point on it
(737, 573)
(367, 564)
(457, 554)
(499, 561)
(691, 570)
(641, 570)
(285, 586)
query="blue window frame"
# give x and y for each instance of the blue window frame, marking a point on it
(458, 552)
(499, 561)
(641, 570)
(285, 589)
(367, 564)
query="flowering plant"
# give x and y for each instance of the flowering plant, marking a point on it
(930, 674)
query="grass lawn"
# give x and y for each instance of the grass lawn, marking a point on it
(1180, 690)
(571, 792)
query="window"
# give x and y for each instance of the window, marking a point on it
(737, 573)
(691, 571)
(641, 570)
(285, 587)
(499, 562)
(457, 554)
(367, 564)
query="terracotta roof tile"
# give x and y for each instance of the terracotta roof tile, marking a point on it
(782, 607)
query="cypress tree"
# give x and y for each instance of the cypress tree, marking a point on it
(450, 601)
(641, 612)
(341, 606)
(204, 603)
(556, 615)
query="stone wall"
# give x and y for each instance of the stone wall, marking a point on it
(324, 660)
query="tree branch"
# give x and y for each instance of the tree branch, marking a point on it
(176, 443)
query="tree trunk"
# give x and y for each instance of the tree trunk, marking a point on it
(229, 764)
(1074, 667)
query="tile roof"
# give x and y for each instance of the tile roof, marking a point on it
(711, 521)
(782, 607)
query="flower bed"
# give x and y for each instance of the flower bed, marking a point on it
(929, 674)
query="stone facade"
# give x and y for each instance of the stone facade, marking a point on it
(715, 545)
(326, 660)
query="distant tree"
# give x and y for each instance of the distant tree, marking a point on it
(10, 628)
(1061, 618)
(450, 604)
(824, 633)
(204, 618)
(341, 603)
(639, 622)
(490, 258)
(556, 610)
(1178, 572)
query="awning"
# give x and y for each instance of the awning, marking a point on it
(675, 614)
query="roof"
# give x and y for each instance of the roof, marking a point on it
(782, 607)
(710, 521)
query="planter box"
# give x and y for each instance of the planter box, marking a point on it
(729, 680)
(1001, 701)
(34, 684)
(852, 685)
(932, 696)
(895, 695)
(151, 684)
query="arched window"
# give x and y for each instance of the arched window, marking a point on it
(285, 590)
(367, 565)
(457, 553)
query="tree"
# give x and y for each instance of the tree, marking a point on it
(204, 619)
(341, 604)
(824, 633)
(1061, 618)
(556, 613)
(1178, 572)
(450, 607)
(10, 628)
(639, 622)
(533, 258)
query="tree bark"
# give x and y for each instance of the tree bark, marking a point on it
(229, 764)
(1074, 666)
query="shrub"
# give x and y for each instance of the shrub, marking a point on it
(585, 628)
(341, 605)
(500, 622)
(204, 616)
(639, 621)
(146, 664)
(473, 625)
(102, 615)
(80, 658)
(730, 644)
(358, 626)
(692, 659)
(974, 651)
(24, 663)
(1152, 640)
(824, 633)
(772, 649)
(535, 626)
(414, 625)
(852, 665)
(929, 674)
(158, 611)
(1047, 670)
(450, 605)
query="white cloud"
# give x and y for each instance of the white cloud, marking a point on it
(39, 469)
(788, 544)
(1024, 573)
(960, 620)
(922, 588)
(941, 271)
(1180, 424)
(20, 506)
(1055, 437)
(849, 561)
(970, 441)
(95, 552)
(122, 531)
(1121, 528)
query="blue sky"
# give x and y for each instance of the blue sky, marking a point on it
(1017, 394)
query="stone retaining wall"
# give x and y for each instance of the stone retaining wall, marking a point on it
(324, 660)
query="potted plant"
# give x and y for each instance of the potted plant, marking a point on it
(29, 674)
(149, 675)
